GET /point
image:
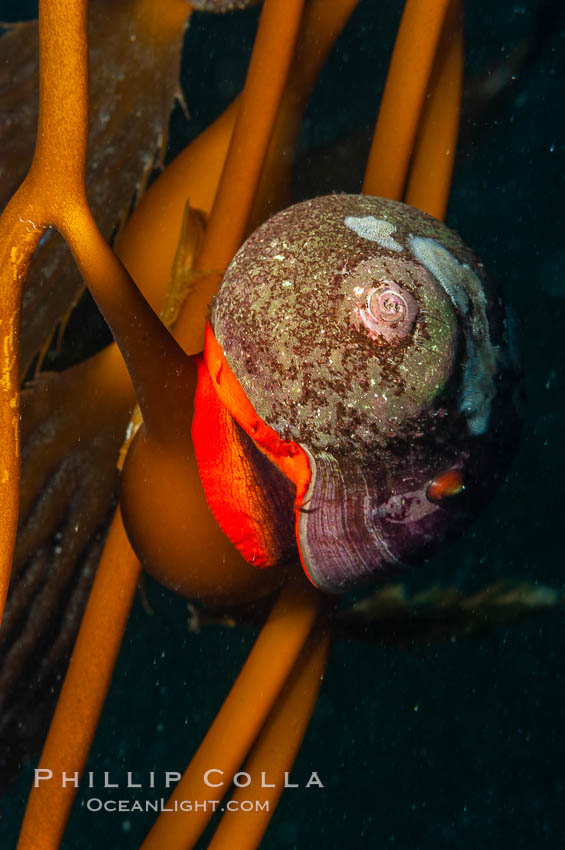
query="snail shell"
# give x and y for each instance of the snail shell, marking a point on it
(361, 331)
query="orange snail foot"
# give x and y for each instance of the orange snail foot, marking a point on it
(174, 533)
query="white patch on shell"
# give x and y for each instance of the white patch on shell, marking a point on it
(375, 229)
(465, 290)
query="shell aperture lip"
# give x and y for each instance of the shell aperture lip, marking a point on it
(364, 522)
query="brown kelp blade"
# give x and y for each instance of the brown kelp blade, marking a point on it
(71, 434)
(18, 105)
(134, 61)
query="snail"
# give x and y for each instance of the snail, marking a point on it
(356, 401)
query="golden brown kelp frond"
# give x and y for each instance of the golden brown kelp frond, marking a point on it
(34, 661)
(70, 419)
(72, 428)
(134, 60)
(392, 618)
(73, 424)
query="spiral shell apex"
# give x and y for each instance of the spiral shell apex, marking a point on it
(362, 331)
(390, 312)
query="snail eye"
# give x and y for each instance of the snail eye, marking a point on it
(446, 485)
